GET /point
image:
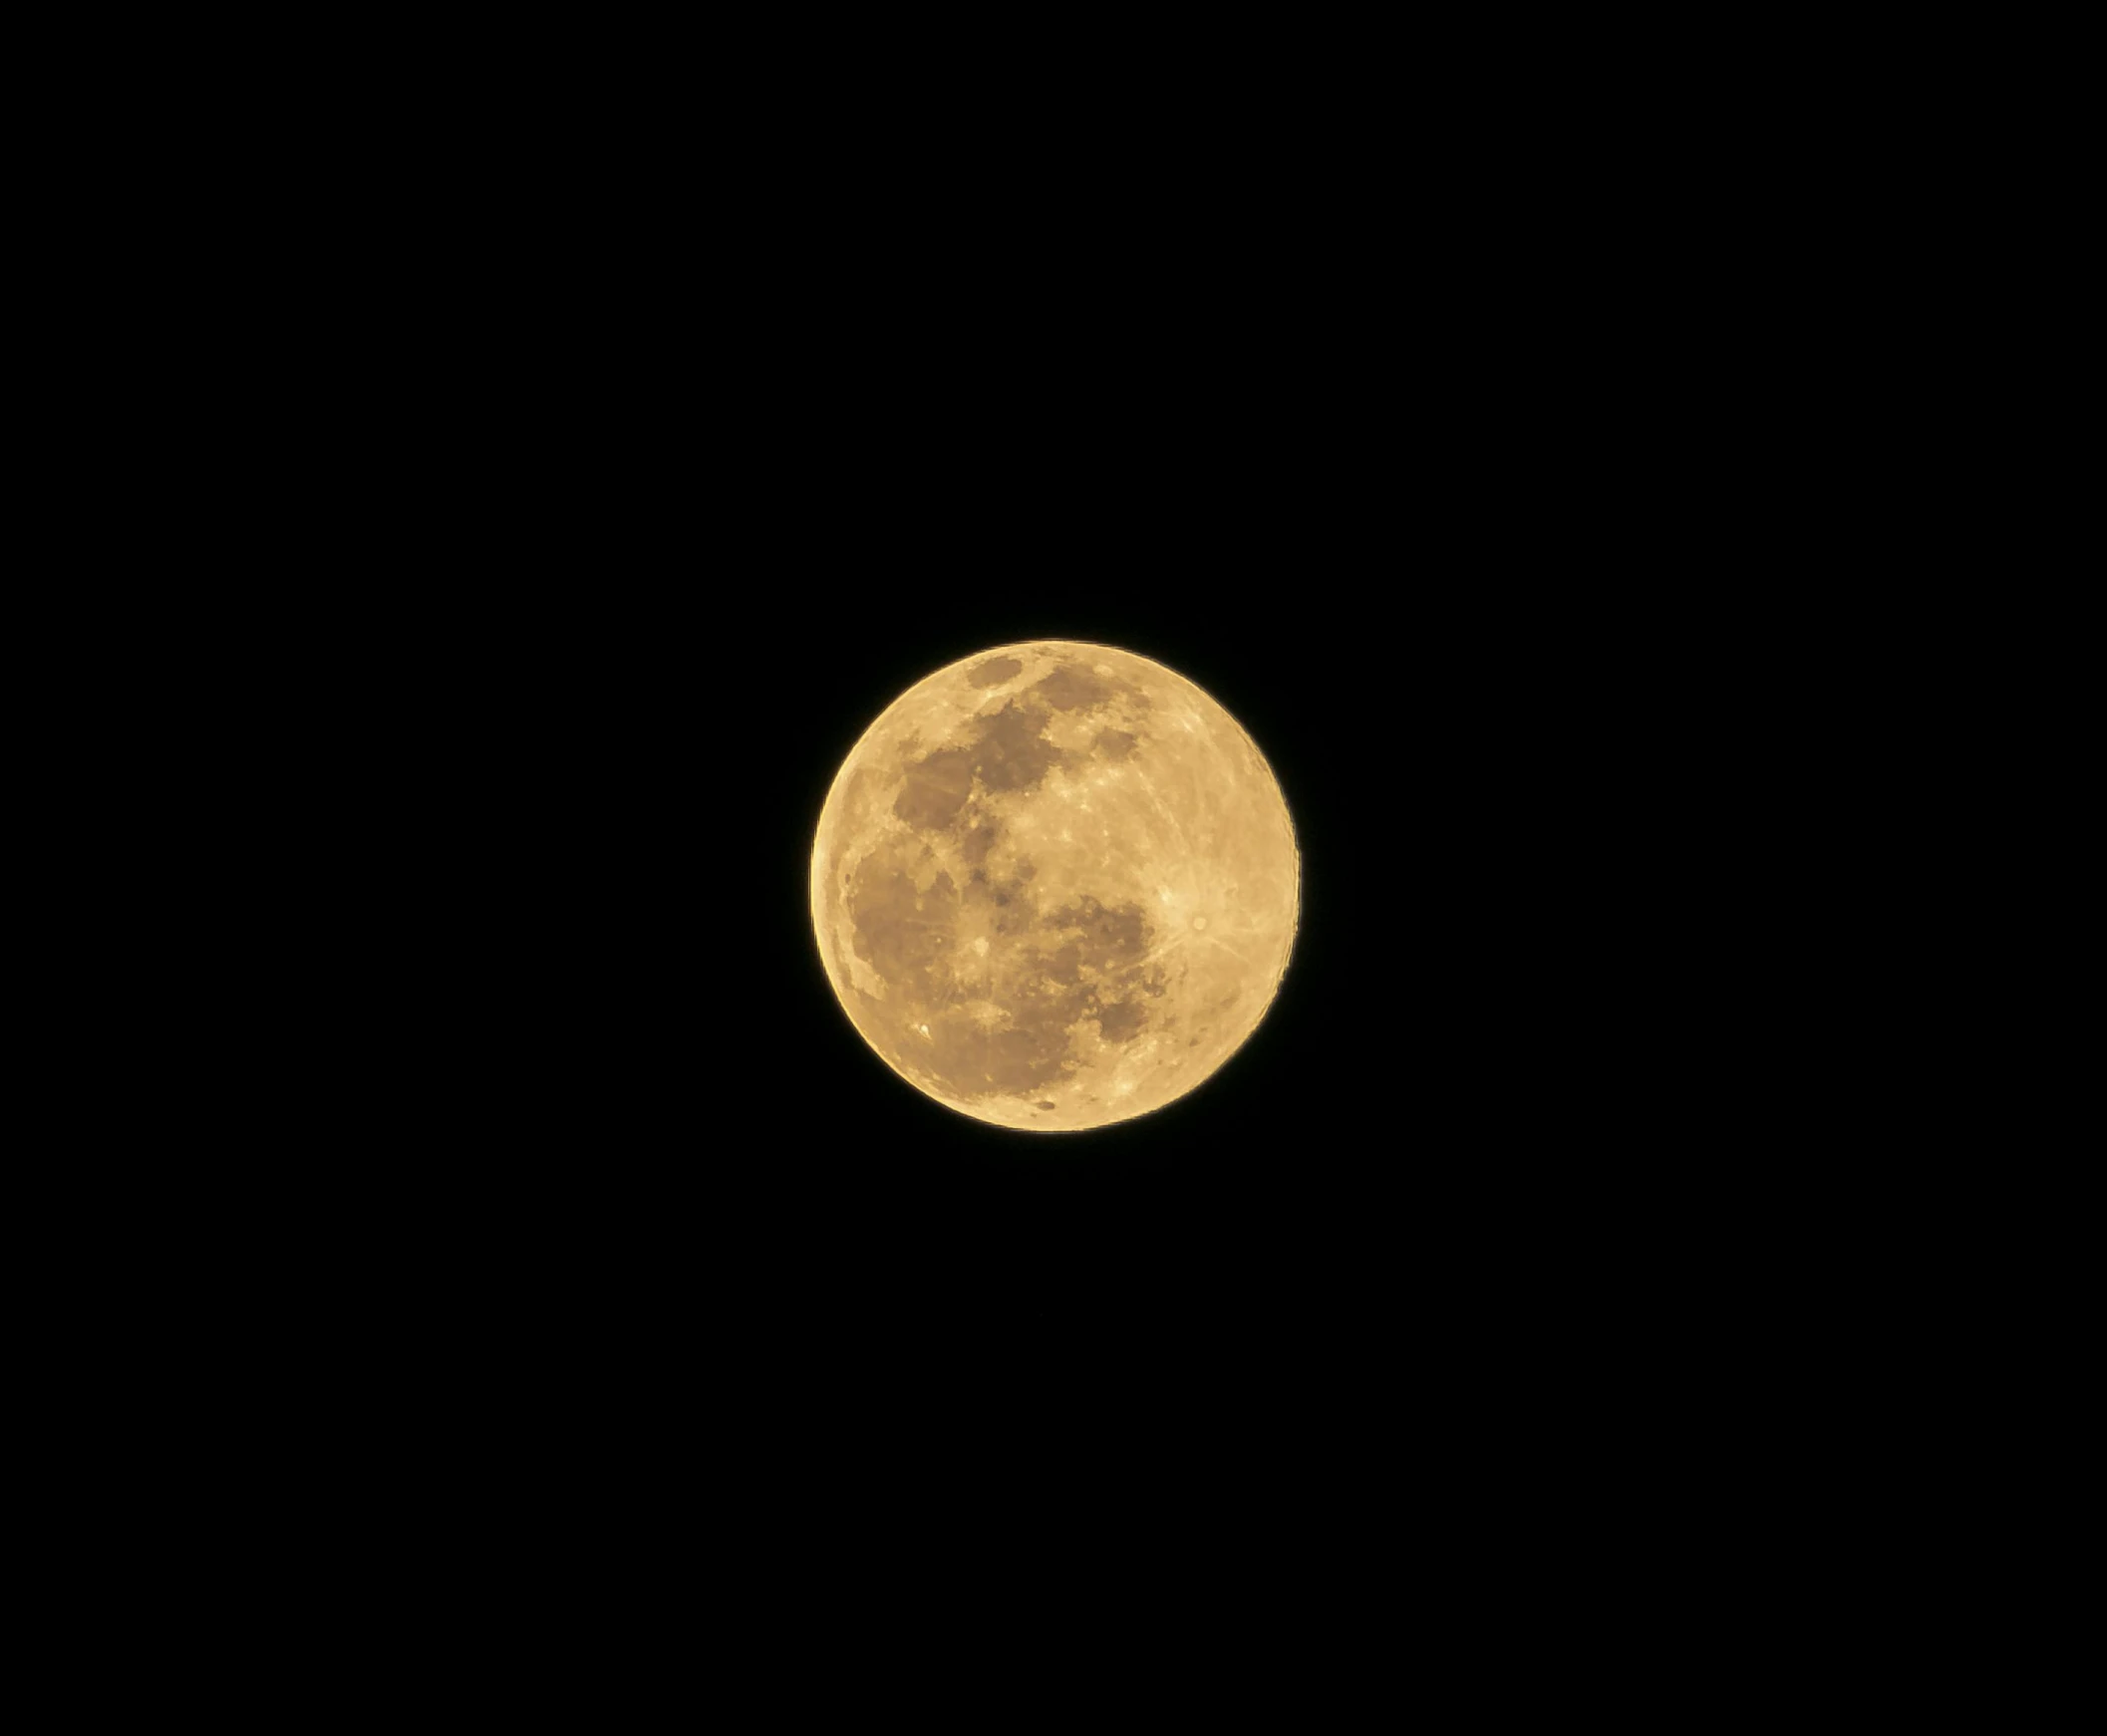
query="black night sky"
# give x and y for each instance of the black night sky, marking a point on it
(701, 1133)
(631, 481)
(1461, 639)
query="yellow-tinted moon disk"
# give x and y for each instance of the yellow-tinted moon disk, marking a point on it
(1055, 886)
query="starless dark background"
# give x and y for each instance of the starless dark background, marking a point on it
(612, 462)
(1445, 1121)
(679, 512)
(1449, 647)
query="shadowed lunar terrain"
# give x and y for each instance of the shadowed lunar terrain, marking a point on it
(1055, 886)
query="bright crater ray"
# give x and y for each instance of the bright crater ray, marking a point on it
(1055, 885)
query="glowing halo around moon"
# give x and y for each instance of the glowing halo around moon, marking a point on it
(1055, 886)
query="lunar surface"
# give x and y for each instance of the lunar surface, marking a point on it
(1055, 886)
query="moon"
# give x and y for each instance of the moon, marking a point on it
(1055, 886)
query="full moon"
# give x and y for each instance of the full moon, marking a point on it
(1055, 886)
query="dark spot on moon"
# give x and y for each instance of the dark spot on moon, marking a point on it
(1013, 754)
(1115, 743)
(1011, 1061)
(976, 844)
(1072, 690)
(1119, 1022)
(900, 933)
(1109, 937)
(1009, 753)
(1046, 1105)
(993, 671)
(936, 789)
